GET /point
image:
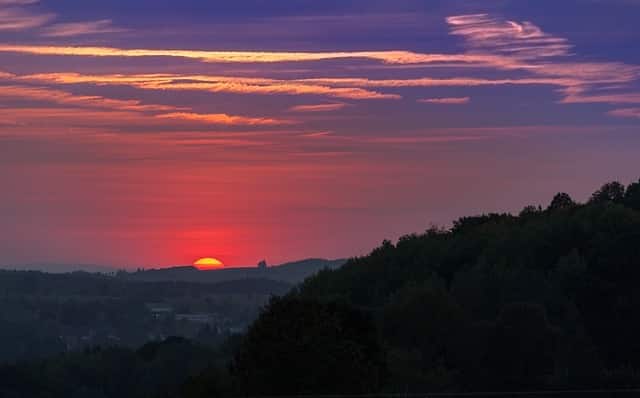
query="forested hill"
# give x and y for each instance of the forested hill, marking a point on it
(549, 297)
(294, 272)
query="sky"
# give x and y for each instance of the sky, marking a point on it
(151, 133)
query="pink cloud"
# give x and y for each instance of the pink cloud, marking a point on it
(523, 40)
(82, 28)
(447, 101)
(20, 19)
(17, 2)
(626, 112)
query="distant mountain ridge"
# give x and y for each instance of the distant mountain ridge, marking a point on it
(54, 268)
(293, 272)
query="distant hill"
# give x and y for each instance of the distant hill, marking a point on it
(59, 268)
(292, 273)
(85, 284)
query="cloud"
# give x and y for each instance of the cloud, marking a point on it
(440, 82)
(224, 119)
(345, 88)
(14, 16)
(16, 19)
(428, 140)
(93, 101)
(389, 57)
(229, 84)
(582, 95)
(66, 119)
(130, 107)
(626, 112)
(447, 101)
(544, 55)
(523, 40)
(352, 88)
(318, 107)
(17, 2)
(82, 28)
(318, 134)
(522, 52)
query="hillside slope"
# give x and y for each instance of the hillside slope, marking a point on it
(293, 272)
(548, 298)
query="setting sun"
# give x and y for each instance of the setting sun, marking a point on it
(208, 263)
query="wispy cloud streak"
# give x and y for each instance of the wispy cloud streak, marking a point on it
(224, 119)
(524, 40)
(446, 100)
(15, 19)
(390, 57)
(92, 101)
(158, 111)
(82, 28)
(626, 112)
(229, 84)
(318, 107)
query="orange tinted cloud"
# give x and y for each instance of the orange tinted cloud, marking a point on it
(160, 111)
(229, 84)
(574, 88)
(317, 134)
(318, 107)
(390, 57)
(63, 97)
(224, 119)
(491, 42)
(438, 82)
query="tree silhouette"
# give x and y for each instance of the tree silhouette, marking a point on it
(632, 196)
(609, 192)
(523, 346)
(300, 346)
(560, 201)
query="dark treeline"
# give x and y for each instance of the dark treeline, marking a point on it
(173, 368)
(84, 284)
(545, 300)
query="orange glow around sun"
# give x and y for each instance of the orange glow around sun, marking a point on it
(208, 263)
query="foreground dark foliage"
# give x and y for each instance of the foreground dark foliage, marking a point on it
(546, 299)
(300, 346)
(173, 368)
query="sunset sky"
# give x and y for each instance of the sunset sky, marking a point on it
(152, 133)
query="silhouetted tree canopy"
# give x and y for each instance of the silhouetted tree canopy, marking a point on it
(546, 299)
(300, 346)
(632, 196)
(610, 192)
(560, 201)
